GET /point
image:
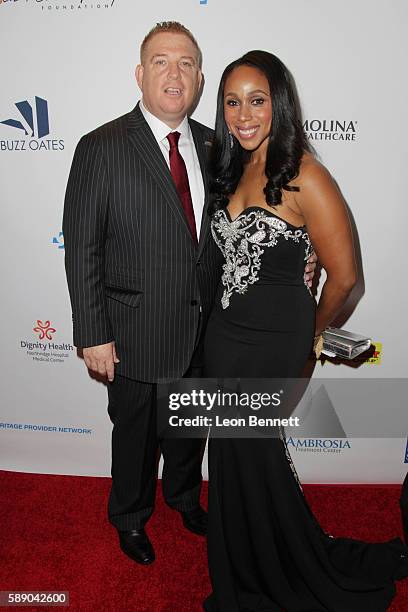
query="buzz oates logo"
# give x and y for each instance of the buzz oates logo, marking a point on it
(29, 129)
(318, 445)
(45, 348)
(50, 5)
(331, 129)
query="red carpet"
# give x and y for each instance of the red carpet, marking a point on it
(55, 536)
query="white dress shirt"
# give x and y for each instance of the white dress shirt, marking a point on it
(187, 151)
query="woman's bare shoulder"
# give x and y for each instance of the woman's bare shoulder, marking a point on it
(312, 172)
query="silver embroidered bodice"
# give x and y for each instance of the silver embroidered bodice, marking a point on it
(247, 242)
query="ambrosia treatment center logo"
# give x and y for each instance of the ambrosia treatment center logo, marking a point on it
(33, 121)
(331, 129)
(318, 445)
(45, 349)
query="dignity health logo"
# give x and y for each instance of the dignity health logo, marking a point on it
(44, 348)
(44, 330)
(33, 121)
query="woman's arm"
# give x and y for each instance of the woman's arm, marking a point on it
(329, 229)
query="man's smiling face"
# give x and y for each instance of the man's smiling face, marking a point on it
(169, 76)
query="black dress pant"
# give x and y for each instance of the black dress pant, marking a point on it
(135, 453)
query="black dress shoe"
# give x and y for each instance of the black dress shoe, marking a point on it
(195, 520)
(136, 545)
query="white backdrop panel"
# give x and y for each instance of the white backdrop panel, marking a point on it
(347, 60)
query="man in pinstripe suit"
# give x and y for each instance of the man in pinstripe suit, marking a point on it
(141, 279)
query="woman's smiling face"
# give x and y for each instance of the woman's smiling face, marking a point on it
(248, 107)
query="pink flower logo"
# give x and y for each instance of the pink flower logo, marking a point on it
(44, 330)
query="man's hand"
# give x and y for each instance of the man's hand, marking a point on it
(101, 359)
(310, 269)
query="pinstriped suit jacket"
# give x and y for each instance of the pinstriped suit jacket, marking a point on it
(134, 274)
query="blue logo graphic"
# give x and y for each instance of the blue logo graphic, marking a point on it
(26, 111)
(203, 1)
(406, 453)
(59, 240)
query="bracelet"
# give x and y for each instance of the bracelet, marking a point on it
(318, 345)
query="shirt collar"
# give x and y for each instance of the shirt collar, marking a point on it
(161, 129)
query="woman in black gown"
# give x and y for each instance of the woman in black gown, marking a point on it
(271, 201)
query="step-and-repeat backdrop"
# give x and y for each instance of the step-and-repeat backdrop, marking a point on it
(67, 67)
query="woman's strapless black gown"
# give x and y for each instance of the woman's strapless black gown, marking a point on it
(266, 550)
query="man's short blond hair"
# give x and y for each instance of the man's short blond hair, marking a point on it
(174, 27)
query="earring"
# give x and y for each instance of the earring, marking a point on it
(231, 140)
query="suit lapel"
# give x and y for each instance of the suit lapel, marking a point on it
(202, 149)
(141, 137)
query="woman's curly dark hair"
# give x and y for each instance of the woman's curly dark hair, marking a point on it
(287, 140)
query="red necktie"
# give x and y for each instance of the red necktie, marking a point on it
(180, 178)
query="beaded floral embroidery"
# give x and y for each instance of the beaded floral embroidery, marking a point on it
(243, 241)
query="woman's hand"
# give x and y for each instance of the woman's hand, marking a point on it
(310, 270)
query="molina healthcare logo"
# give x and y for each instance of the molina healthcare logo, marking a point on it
(318, 445)
(344, 130)
(27, 130)
(43, 348)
